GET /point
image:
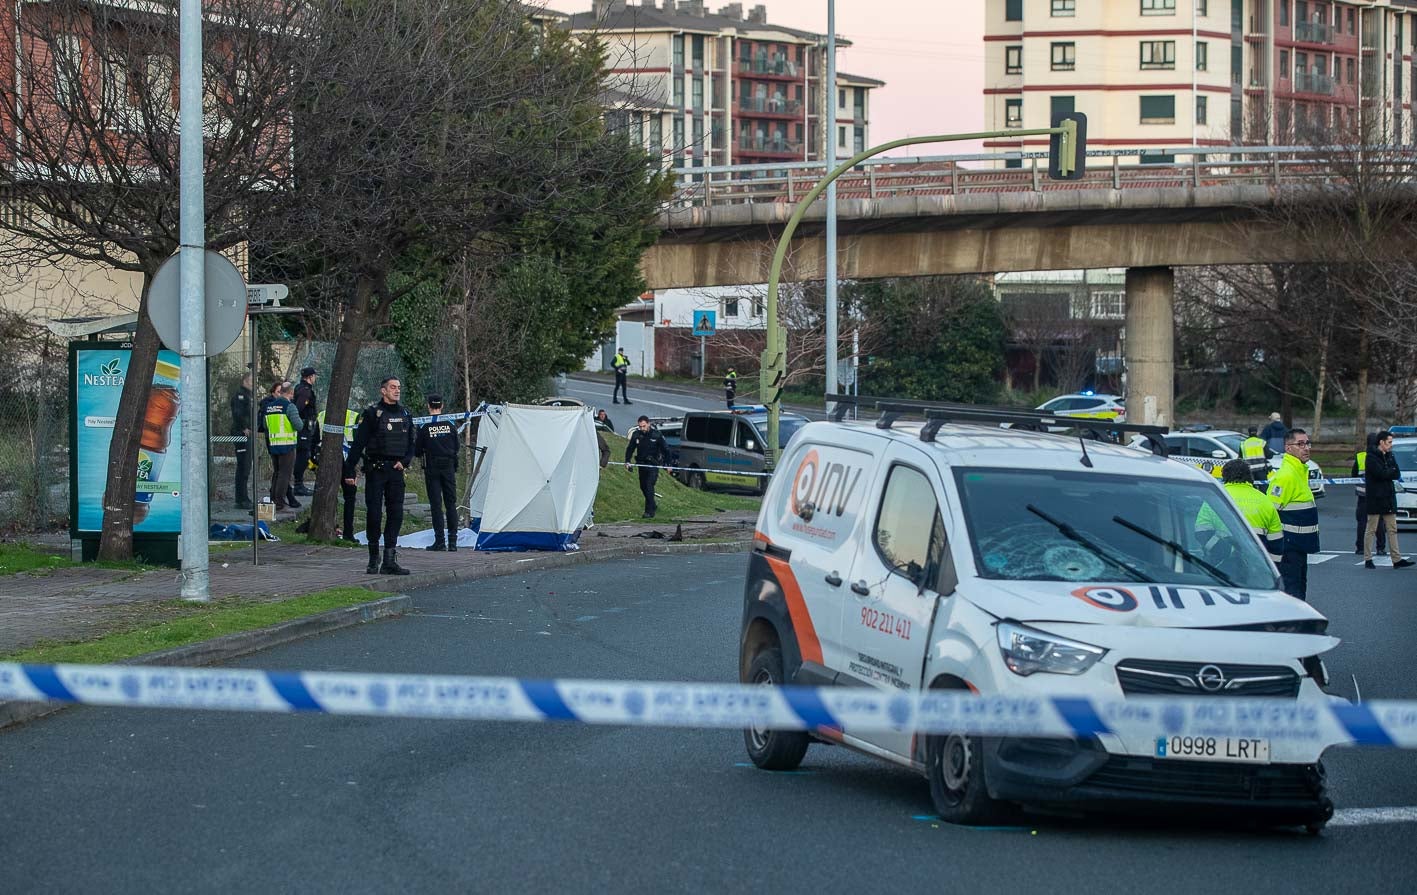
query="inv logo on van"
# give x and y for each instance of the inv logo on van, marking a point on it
(826, 490)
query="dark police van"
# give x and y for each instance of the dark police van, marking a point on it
(723, 448)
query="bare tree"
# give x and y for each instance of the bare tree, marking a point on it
(88, 126)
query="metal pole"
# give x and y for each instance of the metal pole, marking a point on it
(773, 369)
(831, 94)
(703, 358)
(193, 384)
(251, 320)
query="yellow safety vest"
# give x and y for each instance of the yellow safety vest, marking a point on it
(1289, 492)
(1252, 448)
(351, 419)
(279, 431)
(1261, 515)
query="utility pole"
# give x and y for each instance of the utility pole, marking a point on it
(830, 97)
(196, 582)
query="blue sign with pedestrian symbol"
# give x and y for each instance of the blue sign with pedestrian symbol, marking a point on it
(705, 323)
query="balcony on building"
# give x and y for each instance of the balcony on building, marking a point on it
(1313, 82)
(770, 67)
(770, 106)
(1313, 32)
(769, 146)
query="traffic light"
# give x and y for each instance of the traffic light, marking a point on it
(1067, 151)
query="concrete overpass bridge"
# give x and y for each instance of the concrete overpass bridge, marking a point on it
(937, 215)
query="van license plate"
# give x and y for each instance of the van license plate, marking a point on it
(1241, 749)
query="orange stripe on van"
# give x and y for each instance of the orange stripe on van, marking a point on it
(807, 642)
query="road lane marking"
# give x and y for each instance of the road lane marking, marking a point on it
(1361, 817)
(642, 400)
(1317, 558)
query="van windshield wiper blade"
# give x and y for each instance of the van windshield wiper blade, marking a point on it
(1185, 554)
(1090, 545)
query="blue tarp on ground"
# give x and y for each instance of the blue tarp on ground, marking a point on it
(237, 532)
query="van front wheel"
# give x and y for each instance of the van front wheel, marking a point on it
(954, 765)
(772, 750)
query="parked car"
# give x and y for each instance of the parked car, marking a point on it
(723, 448)
(1087, 405)
(1404, 451)
(1210, 449)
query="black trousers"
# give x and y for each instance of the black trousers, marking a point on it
(730, 394)
(349, 492)
(440, 475)
(648, 476)
(1361, 514)
(383, 497)
(619, 389)
(280, 477)
(1294, 570)
(243, 471)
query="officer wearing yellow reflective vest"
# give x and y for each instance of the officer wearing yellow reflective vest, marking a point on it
(1298, 513)
(1254, 506)
(281, 422)
(1255, 452)
(348, 491)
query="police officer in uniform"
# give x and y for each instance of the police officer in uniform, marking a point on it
(649, 450)
(347, 491)
(1298, 514)
(1256, 455)
(308, 442)
(621, 363)
(730, 386)
(241, 426)
(280, 422)
(384, 438)
(437, 444)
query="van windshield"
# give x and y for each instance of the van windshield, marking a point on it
(1047, 525)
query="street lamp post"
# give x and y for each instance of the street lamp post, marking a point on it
(829, 94)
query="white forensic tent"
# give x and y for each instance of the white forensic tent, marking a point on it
(535, 478)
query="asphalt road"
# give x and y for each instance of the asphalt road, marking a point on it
(648, 400)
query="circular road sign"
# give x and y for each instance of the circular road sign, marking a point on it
(225, 302)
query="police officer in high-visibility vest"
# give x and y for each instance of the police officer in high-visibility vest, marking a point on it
(1254, 506)
(437, 444)
(1255, 453)
(1360, 513)
(281, 422)
(348, 491)
(621, 365)
(384, 438)
(1298, 513)
(730, 386)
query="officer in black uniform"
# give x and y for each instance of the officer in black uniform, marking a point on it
(730, 386)
(241, 426)
(437, 444)
(384, 437)
(308, 440)
(649, 450)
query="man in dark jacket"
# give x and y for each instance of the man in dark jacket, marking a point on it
(1274, 434)
(1359, 471)
(241, 427)
(649, 450)
(308, 440)
(384, 439)
(1381, 477)
(437, 444)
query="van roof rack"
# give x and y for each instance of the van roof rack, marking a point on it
(937, 413)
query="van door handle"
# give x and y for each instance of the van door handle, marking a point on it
(859, 587)
(833, 579)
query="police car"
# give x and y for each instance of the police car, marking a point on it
(1006, 562)
(1404, 451)
(1086, 405)
(1208, 449)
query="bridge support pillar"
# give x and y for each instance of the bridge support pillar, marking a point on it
(1151, 345)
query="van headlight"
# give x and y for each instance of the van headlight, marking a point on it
(1028, 651)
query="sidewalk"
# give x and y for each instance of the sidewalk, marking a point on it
(83, 602)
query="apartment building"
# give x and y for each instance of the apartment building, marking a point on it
(1172, 73)
(705, 88)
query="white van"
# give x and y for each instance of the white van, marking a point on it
(963, 556)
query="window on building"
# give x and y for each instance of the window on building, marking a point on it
(1013, 10)
(1158, 110)
(1013, 113)
(1284, 14)
(841, 135)
(1202, 55)
(698, 135)
(1013, 163)
(1158, 7)
(698, 52)
(1013, 60)
(730, 307)
(67, 54)
(698, 94)
(1064, 56)
(1202, 8)
(1284, 65)
(656, 134)
(858, 140)
(1064, 8)
(678, 90)
(1108, 305)
(1059, 106)
(678, 135)
(1352, 22)
(1201, 110)
(1157, 54)
(1349, 65)
(679, 51)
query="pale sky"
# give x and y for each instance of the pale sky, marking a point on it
(930, 53)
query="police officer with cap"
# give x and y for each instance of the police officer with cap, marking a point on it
(730, 386)
(384, 438)
(308, 442)
(437, 444)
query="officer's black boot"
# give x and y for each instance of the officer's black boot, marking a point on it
(438, 545)
(452, 540)
(373, 559)
(391, 563)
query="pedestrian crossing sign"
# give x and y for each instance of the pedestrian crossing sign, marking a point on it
(705, 323)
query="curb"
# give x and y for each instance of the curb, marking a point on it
(231, 646)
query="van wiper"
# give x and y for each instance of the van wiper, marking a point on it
(1185, 554)
(1090, 545)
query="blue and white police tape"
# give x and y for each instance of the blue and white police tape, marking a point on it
(1358, 480)
(680, 704)
(757, 475)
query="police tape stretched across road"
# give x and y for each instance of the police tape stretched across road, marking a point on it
(682, 704)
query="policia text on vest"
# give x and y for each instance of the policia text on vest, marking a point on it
(384, 438)
(437, 444)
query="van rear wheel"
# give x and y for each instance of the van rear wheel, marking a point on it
(695, 479)
(772, 750)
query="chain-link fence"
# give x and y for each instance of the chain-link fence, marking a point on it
(34, 449)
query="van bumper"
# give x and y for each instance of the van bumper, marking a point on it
(1083, 775)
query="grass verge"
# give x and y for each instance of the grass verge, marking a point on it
(619, 498)
(193, 623)
(17, 558)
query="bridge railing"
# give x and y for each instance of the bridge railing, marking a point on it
(955, 175)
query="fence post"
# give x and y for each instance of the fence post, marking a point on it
(871, 181)
(1196, 170)
(1116, 172)
(1036, 185)
(790, 196)
(954, 178)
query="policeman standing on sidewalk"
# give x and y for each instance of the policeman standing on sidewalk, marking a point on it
(384, 437)
(437, 444)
